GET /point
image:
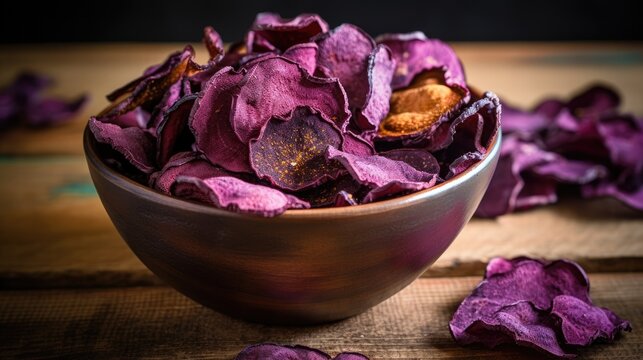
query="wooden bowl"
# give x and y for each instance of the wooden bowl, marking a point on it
(302, 267)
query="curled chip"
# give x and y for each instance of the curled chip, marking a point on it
(236, 195)
(269, 351)
(530, 302)
(357, 145)
(133, 143)
(213, 43)
(171, 131)
(150, 86)
(379, 74)
(274, 86)
(290, 152)
(376, 171)
(419, 159)
(184, 164)
(414, 53)
(418, 110)
(271, 32)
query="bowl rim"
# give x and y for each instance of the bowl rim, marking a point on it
(150, 194)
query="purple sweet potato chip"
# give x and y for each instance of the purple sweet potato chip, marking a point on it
(303, 54)
(274, 86)
(462, 163)
(150, 86)
(213, 43)
(623, 138)
(344, 54)
(211, 126)
(582, 323)
(135, 144)
(22, 100)
(267, 351)
(631, 196)
(272, 32)
(530, 302)
(414, 53)
(172, 128)
(357, 145)
(330, 192)
(290, 152)
(184, 164)
(236, 195)
(51, 111)
(137, 118)
(379, 73)
(597, 99)
(376, 171)
(419, 159)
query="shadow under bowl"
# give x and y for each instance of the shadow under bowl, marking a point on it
(302, 267)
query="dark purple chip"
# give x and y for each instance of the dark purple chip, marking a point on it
(328, 193)
(344, 54)
(135, 144)
(290, 152)
(151, 86)
(230, 193)
(51, 111)
(414, 53)
(173, 128)
(379, 73)
(274, 86)
(213, 43)
(271, 32)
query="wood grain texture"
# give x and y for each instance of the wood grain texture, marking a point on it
(521, 73)
(55, 232)
(157, 322)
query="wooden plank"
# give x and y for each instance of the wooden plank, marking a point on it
(56, 233)
(521, 73)
(157, 322)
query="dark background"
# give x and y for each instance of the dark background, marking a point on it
(175, 20)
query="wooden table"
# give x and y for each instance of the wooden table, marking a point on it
(70, 287)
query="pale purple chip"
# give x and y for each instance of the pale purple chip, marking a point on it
(534, 303)
(290, 152)
(133, 143)
(274, 86)
(271, 32)
(230, 193)
(415, 53)
(462, 163)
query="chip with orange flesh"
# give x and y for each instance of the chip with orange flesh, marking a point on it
(420, 108)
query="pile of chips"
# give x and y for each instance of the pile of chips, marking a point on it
(584, 145)
(298, 116)
(533, 303)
